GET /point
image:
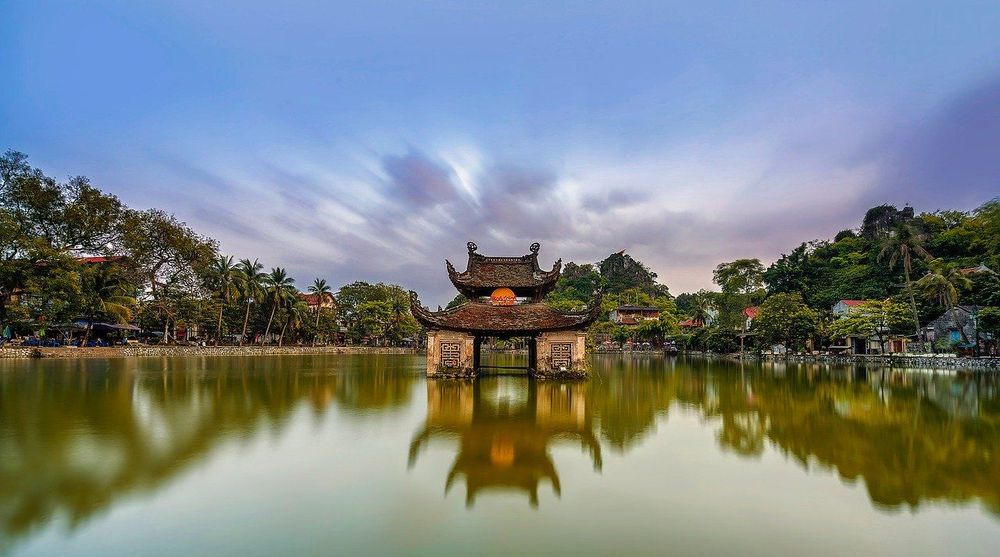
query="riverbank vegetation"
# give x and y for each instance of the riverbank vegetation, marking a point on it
(72, 257)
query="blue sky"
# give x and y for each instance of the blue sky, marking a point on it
(372, 140)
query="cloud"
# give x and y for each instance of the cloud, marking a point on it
(797, 169)
(952, 158)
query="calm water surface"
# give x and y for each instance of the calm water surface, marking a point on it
(361, 455)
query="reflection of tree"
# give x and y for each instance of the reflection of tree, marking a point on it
(75, 435)
(627, 395)
(504, 434)
(910, 437)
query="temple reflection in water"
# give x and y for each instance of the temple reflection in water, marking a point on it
(504, 428)
(78, 437)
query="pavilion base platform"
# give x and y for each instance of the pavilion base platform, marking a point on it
(551, 355)
(451, 354)
(561, 355)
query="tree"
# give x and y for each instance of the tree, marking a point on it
(297, 314)
(105, 295)
(619, 272)
(743, 276)
(942, 284)
(250, 283)
(168, 257)
(784, 318)
(702, 306)
(880, 221)
(224, 279)
(876, 318)
(900, 245)
(321, 290)
(277, 286)
(988, 321)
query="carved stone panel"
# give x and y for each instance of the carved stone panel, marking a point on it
(562, 354)
(451, 354)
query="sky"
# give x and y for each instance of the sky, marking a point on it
(372, 140)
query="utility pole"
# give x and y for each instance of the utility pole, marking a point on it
(975, 324)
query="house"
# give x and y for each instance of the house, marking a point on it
(750, 314)
(977, 270)
(957, 326)
(691, 324)
(316, 303)
(633, 315)
(860, 344)
(843, 308)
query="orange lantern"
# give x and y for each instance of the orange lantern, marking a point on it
(503, 297)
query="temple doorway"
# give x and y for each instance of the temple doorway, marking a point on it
(504, 355)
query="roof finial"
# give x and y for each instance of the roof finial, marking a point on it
(472, 246)
(535, 247)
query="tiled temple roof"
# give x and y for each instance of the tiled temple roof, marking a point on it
(483, 318)
(521, 274)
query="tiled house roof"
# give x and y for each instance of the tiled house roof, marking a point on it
(483, 318)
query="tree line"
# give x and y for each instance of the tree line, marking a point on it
(72, 256)
(907, 270)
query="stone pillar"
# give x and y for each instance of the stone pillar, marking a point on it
(450, 354)
(561, 354)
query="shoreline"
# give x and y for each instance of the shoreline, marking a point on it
(986, 363)
(141, 351)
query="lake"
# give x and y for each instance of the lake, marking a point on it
(362, 455)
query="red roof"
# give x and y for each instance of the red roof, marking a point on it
(751, 312)
(851, 303)
(691, 323)
(313, 299)
(99, 259)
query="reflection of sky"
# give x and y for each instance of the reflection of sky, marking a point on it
(272, 473)
(314, 135)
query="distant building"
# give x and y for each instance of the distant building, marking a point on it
(859, 344)
(977, 270)
(316, 303)
(843, 308)
(956, 326)
(750, 314)
(632, 315)
(690, 324)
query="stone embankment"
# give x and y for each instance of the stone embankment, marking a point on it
(156, 350)
(928, 361)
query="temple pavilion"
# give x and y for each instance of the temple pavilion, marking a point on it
(505, 301)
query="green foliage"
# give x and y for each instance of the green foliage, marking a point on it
(784, 318)
(743, 276)
(873, 318)
(619, 273)
(988, 321)
(458, 300)
(376, 312)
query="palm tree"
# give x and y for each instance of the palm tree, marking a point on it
(250, 279)
(321, 290)
(277, 285)
(298, 311)
(225, 276)
(400, 304)
(107, 295)
(702, 307)
(942, 284)
(900, 246)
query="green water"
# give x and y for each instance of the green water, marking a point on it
(361, 455)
